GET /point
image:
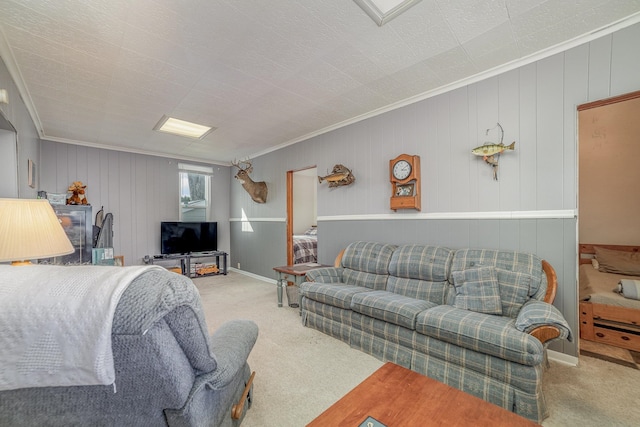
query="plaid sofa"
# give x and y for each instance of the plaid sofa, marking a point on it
(460, 316)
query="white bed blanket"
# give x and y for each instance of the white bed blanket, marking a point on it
(55, 323)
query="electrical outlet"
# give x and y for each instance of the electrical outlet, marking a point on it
(238, 266)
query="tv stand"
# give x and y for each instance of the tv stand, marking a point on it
(185, 261)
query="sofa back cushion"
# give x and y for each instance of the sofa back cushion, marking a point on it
(367, 264)
(421, 272)
(520, 274)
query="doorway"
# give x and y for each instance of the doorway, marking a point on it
(608, 202)
(302, 215)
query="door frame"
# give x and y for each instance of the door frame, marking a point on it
(290, 211)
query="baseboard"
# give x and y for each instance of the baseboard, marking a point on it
(565, 359)
(255, 276)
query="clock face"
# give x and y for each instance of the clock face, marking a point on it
(401, 170)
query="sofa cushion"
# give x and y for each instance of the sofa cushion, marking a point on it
(420, 271)
(369, 257)
(334, 294)
(493, 335)
(435, 292)
(363, 279)
(477, 290)
(430, 263)
(515, 287)
(390, 307)
(519, 273)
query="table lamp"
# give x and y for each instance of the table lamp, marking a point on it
(30, 229)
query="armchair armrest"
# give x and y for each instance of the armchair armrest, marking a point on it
(543, 321)
(231, 345)
(325, 275)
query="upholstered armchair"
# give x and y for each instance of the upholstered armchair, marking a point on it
(168, 370)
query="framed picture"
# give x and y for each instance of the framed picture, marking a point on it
(404, 190)
(32, 174)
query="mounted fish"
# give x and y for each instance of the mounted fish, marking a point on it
(491, 152)
(340, 175)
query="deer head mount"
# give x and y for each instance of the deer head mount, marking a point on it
(257, 190)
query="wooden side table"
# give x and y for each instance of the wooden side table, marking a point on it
(298, 272)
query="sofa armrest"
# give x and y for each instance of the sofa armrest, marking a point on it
(543, 321)
(325, 275)
(231, 345)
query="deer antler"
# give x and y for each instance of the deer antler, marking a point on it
(237, 164)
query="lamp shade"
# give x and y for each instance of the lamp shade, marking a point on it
(30, 229)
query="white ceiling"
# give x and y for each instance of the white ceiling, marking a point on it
(266, 73)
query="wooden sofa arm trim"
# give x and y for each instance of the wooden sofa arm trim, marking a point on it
(338, 260)
(238, 408)
(545, 333)
(552, 282)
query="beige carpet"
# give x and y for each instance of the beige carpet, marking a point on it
(300, 372)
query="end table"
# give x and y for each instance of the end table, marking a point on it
(298, 272)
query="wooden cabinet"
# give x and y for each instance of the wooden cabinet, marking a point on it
(77, 223)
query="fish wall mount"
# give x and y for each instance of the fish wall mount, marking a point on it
(339, 176)
(490, 152)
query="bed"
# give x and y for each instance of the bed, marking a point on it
(305, 247)
(606, 315)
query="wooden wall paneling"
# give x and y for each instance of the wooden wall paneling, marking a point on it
(378, 155)
(488, 116)
(140, 202)
(508, 117)
(489, 233)
(153, 209)
(576, 89)
(103, 159)
(550, 132)
(125, 230)
(526, 146)
(443, 154)
(528, 235)
(473, 141)
(82, 170)
(625, 60)
(47, 169)
(568, 274)
(94, 190)
(461, 156)
(62, 166)
(509, 234)
(429, 159)
(599, 70)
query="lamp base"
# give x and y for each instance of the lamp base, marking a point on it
(17, 263)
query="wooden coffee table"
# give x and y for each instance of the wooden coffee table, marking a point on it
(396, 396)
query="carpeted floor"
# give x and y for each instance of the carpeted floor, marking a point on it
(300, 372)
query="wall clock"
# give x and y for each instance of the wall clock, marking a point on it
(404, 173)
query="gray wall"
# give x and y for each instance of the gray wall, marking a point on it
(28, 142)
(140, 191)
(537, 187)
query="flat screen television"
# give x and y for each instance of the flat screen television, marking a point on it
(188, 237)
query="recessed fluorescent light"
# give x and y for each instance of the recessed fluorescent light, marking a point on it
(383, 11)
(182, 128)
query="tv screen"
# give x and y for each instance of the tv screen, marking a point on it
(187, 237)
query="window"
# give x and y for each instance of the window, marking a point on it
(195, 185)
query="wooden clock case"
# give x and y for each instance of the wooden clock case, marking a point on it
(400, 200)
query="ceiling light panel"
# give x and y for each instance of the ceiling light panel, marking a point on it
(383, 11)
(182, 128)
